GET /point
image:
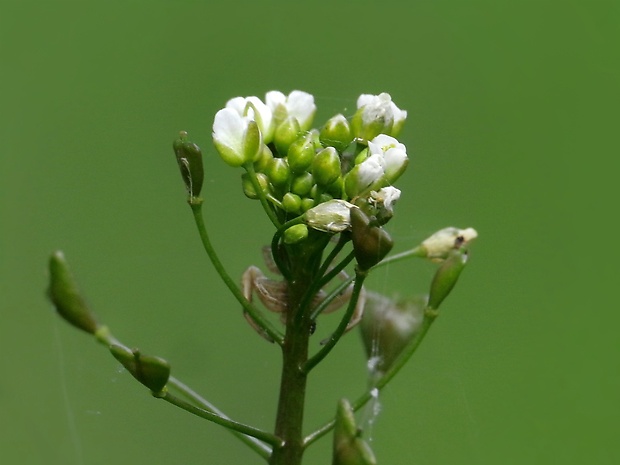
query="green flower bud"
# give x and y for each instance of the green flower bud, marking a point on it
(64, 294)
(336, 133)
(295, 234)
(189, 159)
(302, 184)
(326, 166)
(291, 203)
(153, 372)
(286, 133)
(278, 171)
(263, 159)
(446, 277)
(387, 326)
(301, 153)
(370, 243)
(349, 447)
(306, 204)
(248, 186)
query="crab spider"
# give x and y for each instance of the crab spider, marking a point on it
(274, 294)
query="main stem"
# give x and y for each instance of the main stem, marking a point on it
(289, 420)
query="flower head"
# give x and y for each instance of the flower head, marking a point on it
(256, 110)
(237, 138)
(377, 114)
(394, 155)
(298, 104)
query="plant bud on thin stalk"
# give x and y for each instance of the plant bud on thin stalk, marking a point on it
(189, 159)
(66, 297)
(153, 372)
(446, 277)
(370, 243)
(349, 448)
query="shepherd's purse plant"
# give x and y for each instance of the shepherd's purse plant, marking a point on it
(329, 193)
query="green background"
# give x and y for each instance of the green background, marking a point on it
(512, 129)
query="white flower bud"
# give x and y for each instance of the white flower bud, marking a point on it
(298, 104)
(256, 110)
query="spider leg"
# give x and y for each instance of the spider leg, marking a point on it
(271, 293)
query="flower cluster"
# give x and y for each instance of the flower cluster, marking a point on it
(296, 169)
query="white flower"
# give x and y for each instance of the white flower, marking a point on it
(440, 244)
(377, 114)
(255, 109)
(300, 105)
(236, 138)
(394, 155)
(385, 197)
(332, 216)
(365, 175)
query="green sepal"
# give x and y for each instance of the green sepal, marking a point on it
(302, 184)
(370, 243)
(446, 277)
(295, 234)
(153, 372)
(66, 297)
(349, 448)
(336, 133)
(326, 166)
(301, 153)
(291, 203)
(278, 171)
(286, 133)
(189, 159)
(248, 186)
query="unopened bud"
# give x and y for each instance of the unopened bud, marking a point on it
(153, 372)
(370, 243)
(301, 153)
(349, 447)
(66, 297)
(291, 203)
(326, 166)
(295, 234)
(302, 184)
(446, 277)
(278, 171)
(248, 187)
(189, 159)
(286, 133)
(336, 133)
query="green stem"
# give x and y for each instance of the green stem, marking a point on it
(429, 317)
(207, 415)
(232, 286)
(415, 252)
(275, 246)
(249, 167)
(258, 446)
(360, 276)
(291, 402)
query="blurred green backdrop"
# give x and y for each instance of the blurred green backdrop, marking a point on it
(512, 112)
